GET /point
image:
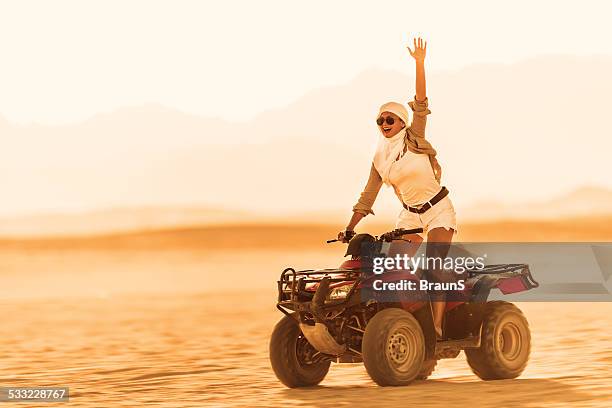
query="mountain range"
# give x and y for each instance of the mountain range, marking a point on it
(508, 136)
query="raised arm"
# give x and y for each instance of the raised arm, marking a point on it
(419, 106)
(420, 49)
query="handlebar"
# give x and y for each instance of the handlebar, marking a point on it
(391, 235)
(396, 233)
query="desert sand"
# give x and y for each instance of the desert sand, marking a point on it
(181, 318)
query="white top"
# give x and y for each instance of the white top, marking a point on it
(413, 179)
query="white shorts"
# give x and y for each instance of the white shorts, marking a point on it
(442, 214)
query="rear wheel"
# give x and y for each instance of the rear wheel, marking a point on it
(294, 361)
(393, 347)
(505, 343)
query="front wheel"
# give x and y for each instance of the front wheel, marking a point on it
(393, 347)
(505, 343)
(427, 369)
(294, 361)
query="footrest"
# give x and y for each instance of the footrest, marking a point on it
(469, 342)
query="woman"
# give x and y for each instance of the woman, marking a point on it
(406, 161)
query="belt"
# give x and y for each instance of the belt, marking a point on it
(434, 200)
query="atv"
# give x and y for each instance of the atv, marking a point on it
(332, 315)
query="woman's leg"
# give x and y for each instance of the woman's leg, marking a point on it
(438, 244)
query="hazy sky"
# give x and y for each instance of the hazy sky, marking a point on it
(63, 61)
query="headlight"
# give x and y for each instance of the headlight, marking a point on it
(339, 292)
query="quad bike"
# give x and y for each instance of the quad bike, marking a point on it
(330, 316)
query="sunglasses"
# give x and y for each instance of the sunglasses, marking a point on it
(382, 120)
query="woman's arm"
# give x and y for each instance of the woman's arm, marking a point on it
(419, 105)
(369, 193)
(420, 49)
(366, 200)
(354, 221)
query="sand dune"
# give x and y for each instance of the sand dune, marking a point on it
(115, 220)
(586, 203)
(302, 235)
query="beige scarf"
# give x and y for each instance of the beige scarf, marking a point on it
(418, 144)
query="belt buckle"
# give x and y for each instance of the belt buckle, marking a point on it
(420, 209)
(426, 206)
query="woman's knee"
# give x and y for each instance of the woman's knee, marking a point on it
(440, 234)
(408, 244)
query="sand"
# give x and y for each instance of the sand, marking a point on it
(167, 323)
(211, 350)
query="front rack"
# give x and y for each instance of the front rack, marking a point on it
(296, 281)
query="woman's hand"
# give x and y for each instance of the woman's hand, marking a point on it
(346, 235)
(420, 49)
